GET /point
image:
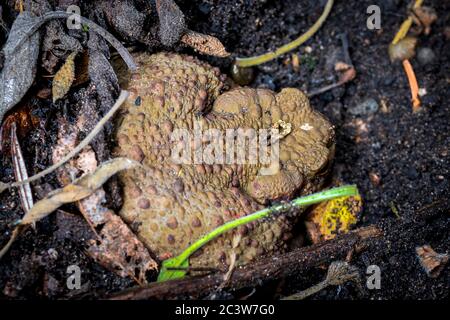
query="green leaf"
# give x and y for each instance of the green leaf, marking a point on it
(175, 262)
(182, 260)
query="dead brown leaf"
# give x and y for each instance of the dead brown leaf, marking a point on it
(424, 17)
(77, 190)
(121, 251)
(431, 261)
(116, 246)
(204, 44)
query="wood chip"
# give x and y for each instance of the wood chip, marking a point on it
(431, 261)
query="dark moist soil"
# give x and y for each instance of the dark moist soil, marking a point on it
(398, 159)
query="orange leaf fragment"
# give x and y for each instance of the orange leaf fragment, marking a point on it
(412, 84)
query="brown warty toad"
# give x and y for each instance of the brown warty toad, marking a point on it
(171, 204)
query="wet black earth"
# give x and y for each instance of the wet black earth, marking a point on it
(407, 152)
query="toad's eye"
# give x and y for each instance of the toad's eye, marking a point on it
(267, 112)
(324, 169)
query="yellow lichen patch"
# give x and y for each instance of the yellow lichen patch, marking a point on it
(333, 217)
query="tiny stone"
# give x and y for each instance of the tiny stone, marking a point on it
(368, 106)
(422, 92)
(426, 56)
(412, 173)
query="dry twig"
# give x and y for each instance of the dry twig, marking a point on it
(252, 275)
(20, 171)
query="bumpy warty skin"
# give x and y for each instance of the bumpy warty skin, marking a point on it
(171, 205)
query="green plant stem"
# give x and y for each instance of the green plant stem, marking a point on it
(350, 190)
(256, 60)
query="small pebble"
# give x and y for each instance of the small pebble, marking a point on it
(267, 82)
(52, 253)
(308, 49)
(422, 92)
(205, 8)
(426, 56)
(242, 76)
(388, 80)
(368, 106)
(431, 100)
(374, 178)
(376, 146)
(412, 173)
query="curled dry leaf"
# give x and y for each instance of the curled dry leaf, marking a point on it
(20, 58)
(101, 72)
(204, 44)
(121, 251)
(57, 45)
(424, 17)
(34, 27)
(64, 78)
(79, 189)
(53, 201)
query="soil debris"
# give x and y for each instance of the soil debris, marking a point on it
(431, 261)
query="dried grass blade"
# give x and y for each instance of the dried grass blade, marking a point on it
(20, 171)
